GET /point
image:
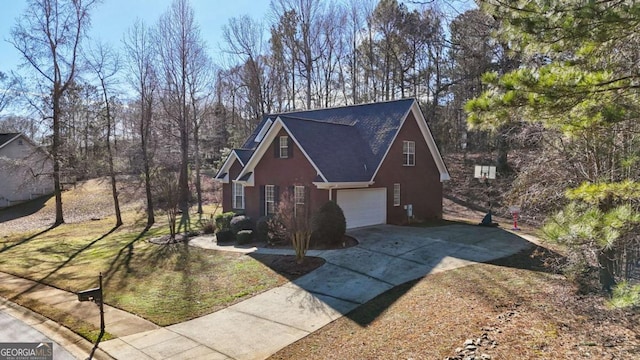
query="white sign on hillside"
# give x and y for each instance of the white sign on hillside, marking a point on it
(485, 172)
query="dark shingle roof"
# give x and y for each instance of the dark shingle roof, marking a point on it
(244, 154)
(5, 137)
(338, 150)
(346, 143)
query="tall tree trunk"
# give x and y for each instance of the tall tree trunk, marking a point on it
(144, 135)
(183, 180)
(606, 271)
(112, 173)
(196, 149)
(502, 148)
(55, 153)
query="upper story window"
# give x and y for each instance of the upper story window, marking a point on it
(284, 147)
(409, 153)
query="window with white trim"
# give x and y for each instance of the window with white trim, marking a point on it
(396, 194)
(284, 147)
(298, 199)
(409, 153)
(269, 199)
(238, 196)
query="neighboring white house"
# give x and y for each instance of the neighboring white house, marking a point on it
(25, 170)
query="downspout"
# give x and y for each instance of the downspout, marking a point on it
(330, 192)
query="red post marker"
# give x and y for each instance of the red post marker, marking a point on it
(515, 211)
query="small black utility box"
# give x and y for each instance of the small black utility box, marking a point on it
(94, 295)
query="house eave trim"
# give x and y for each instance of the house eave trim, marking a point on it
(224, 180)
(342, 185)
(250, 182)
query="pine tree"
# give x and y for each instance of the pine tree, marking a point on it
(578, 79)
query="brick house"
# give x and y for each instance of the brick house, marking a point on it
(378, 161)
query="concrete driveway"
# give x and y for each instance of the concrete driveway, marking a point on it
(260, 326)
(389, 255)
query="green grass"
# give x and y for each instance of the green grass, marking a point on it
(165, 284)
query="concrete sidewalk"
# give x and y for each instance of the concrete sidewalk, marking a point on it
(260, 326)
(117, 322)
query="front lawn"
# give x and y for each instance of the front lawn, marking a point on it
(162, 283)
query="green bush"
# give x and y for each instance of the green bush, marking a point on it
(241, 222)
(244, 237)
(625, 295)
(223, 221)
(262, 229)
(224, 236)
(328, 225)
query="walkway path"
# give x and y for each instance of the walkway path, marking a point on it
(258, 327)
(118, 322)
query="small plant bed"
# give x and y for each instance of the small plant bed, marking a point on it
(286, 265)
(347, 242)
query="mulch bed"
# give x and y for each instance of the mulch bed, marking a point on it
(287, 266)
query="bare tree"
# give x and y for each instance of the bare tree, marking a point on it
(201, 77)
(105, 64)
(141, 57)
(48, 36)
(7, 90)
(306, 16)
(180, 47)
(244, 39)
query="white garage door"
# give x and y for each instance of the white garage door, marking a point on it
(363, 207)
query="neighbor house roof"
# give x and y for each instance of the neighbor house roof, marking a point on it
(344, 144)
(6, 138)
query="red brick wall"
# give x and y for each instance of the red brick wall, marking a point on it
(284, 173)
(419, 185)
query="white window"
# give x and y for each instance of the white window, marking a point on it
(238, 196)
(284, 147)
(269, 199)
(396, 194)
(298, 198)
(409, 153)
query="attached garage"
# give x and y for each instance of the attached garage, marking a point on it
(363, 207)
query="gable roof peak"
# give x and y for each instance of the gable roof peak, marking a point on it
(6, 138)
(297, 111)
(317, 121)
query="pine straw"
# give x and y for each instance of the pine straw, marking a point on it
(530, 313)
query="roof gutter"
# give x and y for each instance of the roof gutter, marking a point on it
(342, 185)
